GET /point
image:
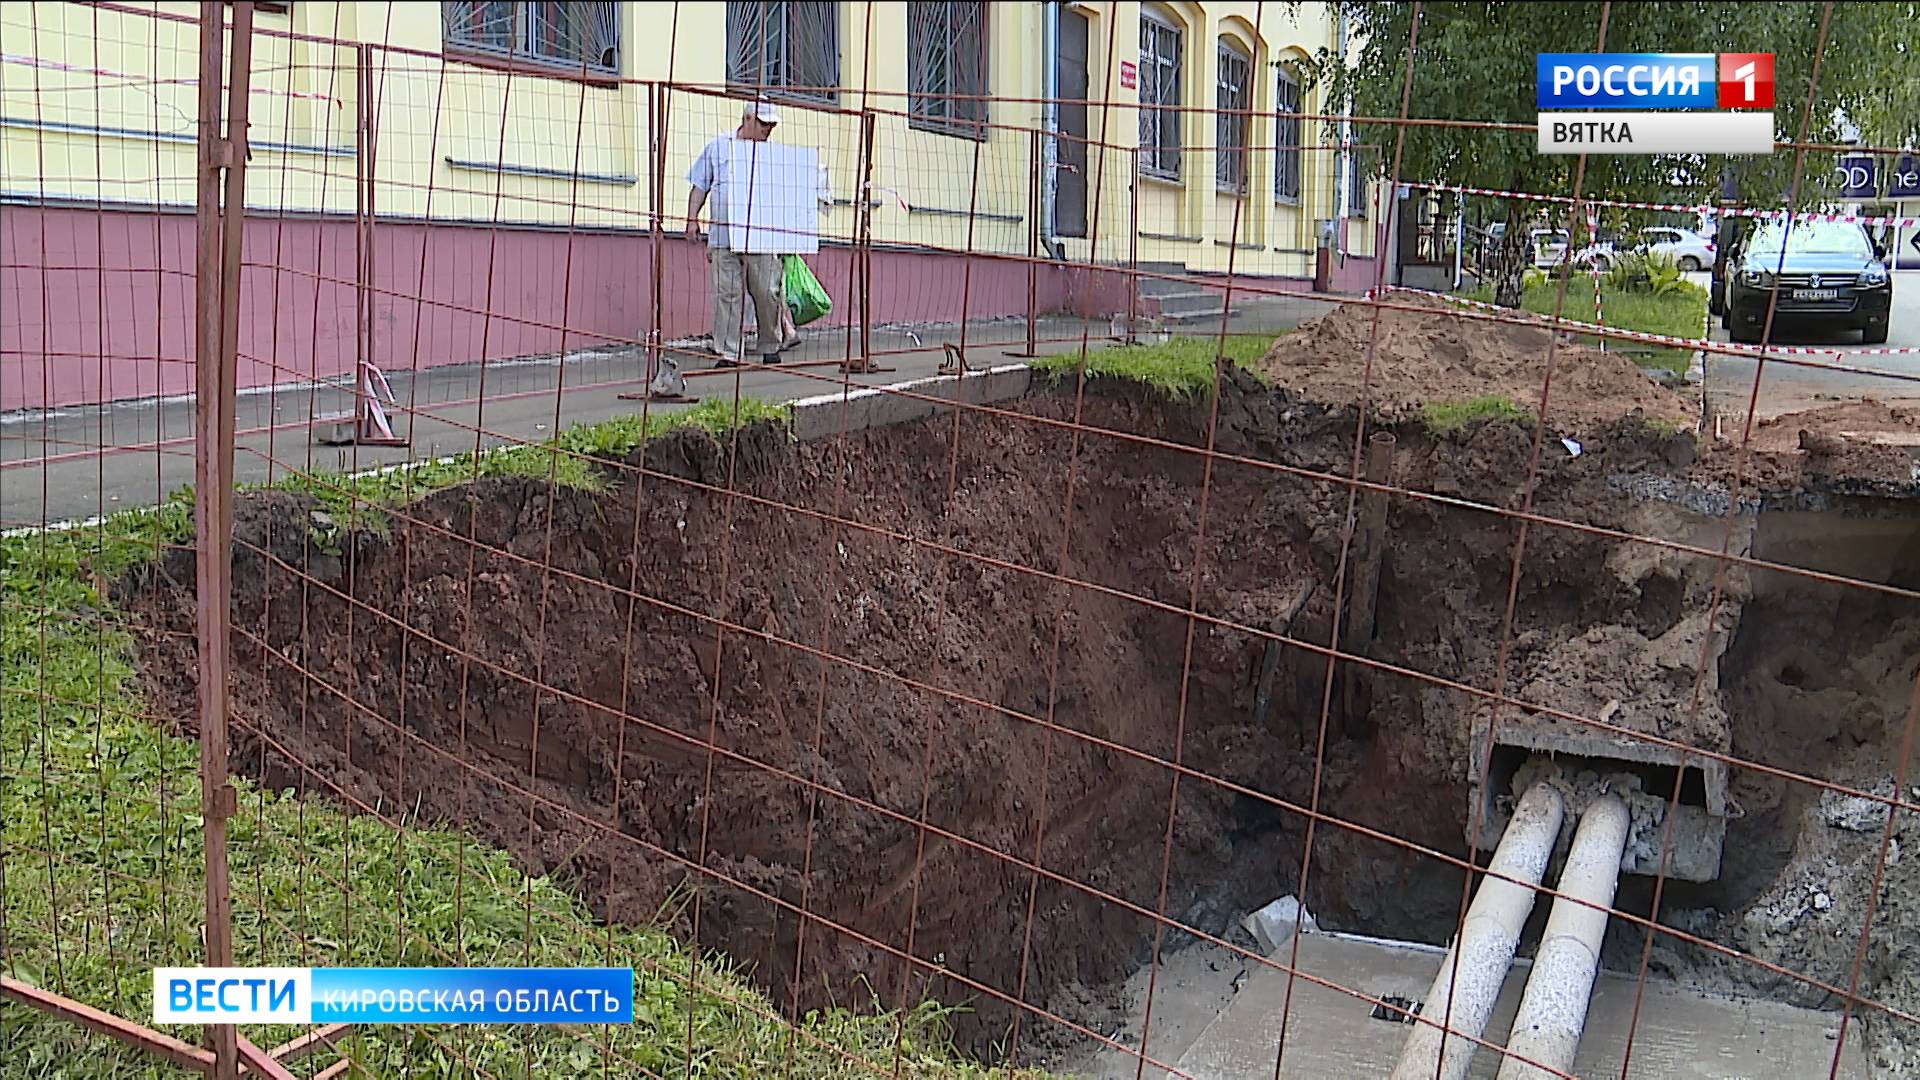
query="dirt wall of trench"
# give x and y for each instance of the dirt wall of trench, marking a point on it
(474, 678)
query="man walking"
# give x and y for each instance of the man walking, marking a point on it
(759, 275)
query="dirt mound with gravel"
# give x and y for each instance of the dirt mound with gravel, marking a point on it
(1435, 356)
(1862, 444)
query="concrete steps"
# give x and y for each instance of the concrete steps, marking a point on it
(1178, 301)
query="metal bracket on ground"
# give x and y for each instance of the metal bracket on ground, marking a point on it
(668, 387)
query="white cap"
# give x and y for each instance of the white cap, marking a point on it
(763, 111)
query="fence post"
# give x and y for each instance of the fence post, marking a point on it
(1133, 249)
(863, 363)
(216, 348)
(362, 223)
(1033, 243)
(659, 102)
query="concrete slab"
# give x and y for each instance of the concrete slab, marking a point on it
(827, 415)
(1700, 823)
(1680, 1033)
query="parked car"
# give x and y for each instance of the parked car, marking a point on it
(1548, 249)
(1690, 251)
(1826, 272)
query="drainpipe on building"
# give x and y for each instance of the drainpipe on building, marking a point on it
(1342, 183)
(1050, 123)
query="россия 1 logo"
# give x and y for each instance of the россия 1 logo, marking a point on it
(1746, 81)
(1585, 101)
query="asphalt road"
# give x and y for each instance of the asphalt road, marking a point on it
(1792, 383)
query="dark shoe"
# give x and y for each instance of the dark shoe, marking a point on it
(770, 358)
(791, 343)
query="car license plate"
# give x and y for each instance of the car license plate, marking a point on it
(1816, 294)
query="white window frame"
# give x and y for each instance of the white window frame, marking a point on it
(528, 39)
(1232, 160)
(1163, 74)
(1289, 130)
(785, 74)
(932, 73)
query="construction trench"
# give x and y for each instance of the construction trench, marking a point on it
(1034, 719)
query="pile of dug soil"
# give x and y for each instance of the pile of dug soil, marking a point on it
(1855, 443)
(1435, 356)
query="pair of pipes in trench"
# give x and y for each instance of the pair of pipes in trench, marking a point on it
(1553, 1009)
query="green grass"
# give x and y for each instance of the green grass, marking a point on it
(1680, 314)
(1444, 416)
(1182, 369)
(100, 835)
(570, 457)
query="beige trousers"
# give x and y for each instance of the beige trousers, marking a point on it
(763, 277)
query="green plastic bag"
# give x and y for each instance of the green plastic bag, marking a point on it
(805, 298)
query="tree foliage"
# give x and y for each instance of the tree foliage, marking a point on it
(1475, 61)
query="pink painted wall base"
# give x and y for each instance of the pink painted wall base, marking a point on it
(99, 304)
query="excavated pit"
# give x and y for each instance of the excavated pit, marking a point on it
(861, 680)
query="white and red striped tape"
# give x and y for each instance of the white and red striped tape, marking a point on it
(1732, 211)
(149, 80)
(1575, 326)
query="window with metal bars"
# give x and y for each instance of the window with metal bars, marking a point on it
(947, 67)
(1160, 45)
(784, 48)
(1232, 121)
(576, 37)
(1287, 130)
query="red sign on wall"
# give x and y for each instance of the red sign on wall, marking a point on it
(1129, 74)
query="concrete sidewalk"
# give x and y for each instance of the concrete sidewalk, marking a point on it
(76, 463)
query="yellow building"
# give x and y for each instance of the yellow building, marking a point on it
(524, 154)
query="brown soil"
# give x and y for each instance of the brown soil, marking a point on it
(490, 659)
(1437, 356)
(459, 738)
(1818, 679)
(1861, 444)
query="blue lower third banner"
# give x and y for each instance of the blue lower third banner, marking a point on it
(393, 995)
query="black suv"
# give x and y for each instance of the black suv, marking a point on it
(1830, 272)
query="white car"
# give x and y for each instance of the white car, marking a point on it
(1691, 251)
(1547, 247)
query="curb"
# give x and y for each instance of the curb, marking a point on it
(827, 415)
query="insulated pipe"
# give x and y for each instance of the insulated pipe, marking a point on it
(1553, 1011)
(1485, 948)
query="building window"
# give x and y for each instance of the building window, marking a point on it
(784, 48)
(1356, 185)
(1233, 121)
(1286, 137)
(1160, 44)
(947, 67)
(566, 37)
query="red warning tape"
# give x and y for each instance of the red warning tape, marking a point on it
(1732, 211)
(149, 80)
(1661, 339)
